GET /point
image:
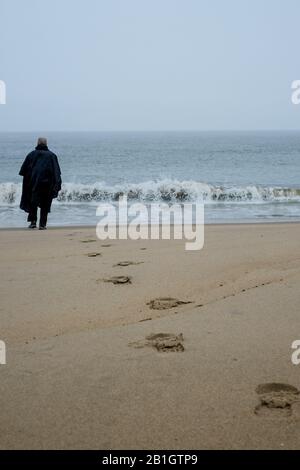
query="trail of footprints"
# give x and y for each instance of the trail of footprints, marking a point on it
(275, 399)
(161, 342)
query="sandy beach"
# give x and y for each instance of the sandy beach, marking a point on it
(174, 358)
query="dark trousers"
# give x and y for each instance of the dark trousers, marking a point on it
(44, 203)
(32, 216)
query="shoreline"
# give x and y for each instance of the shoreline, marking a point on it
(209, 224)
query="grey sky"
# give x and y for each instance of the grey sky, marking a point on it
(149, 64)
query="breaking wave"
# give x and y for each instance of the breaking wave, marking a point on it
(164, 190)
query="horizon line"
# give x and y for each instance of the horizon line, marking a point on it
(148, 130)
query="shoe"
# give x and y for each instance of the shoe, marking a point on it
(32, 225)
(42, 227)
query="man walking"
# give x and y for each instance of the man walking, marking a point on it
(41, 183)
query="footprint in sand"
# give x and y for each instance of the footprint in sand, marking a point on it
(162, 342)
(128, 263)
(88, 240)
(93, 255)
(107, 245)
(119, 280)
(165, 303)
(276, 399)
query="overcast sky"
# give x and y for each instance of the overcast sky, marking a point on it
(149, 64)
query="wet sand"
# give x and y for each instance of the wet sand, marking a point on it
(124, 344)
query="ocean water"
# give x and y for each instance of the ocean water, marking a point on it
(240, 176)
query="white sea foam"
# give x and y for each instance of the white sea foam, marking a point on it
(163, 190)
(10, 193)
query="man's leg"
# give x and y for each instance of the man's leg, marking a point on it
(43, 217)
(32, 217)
(45, 203)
